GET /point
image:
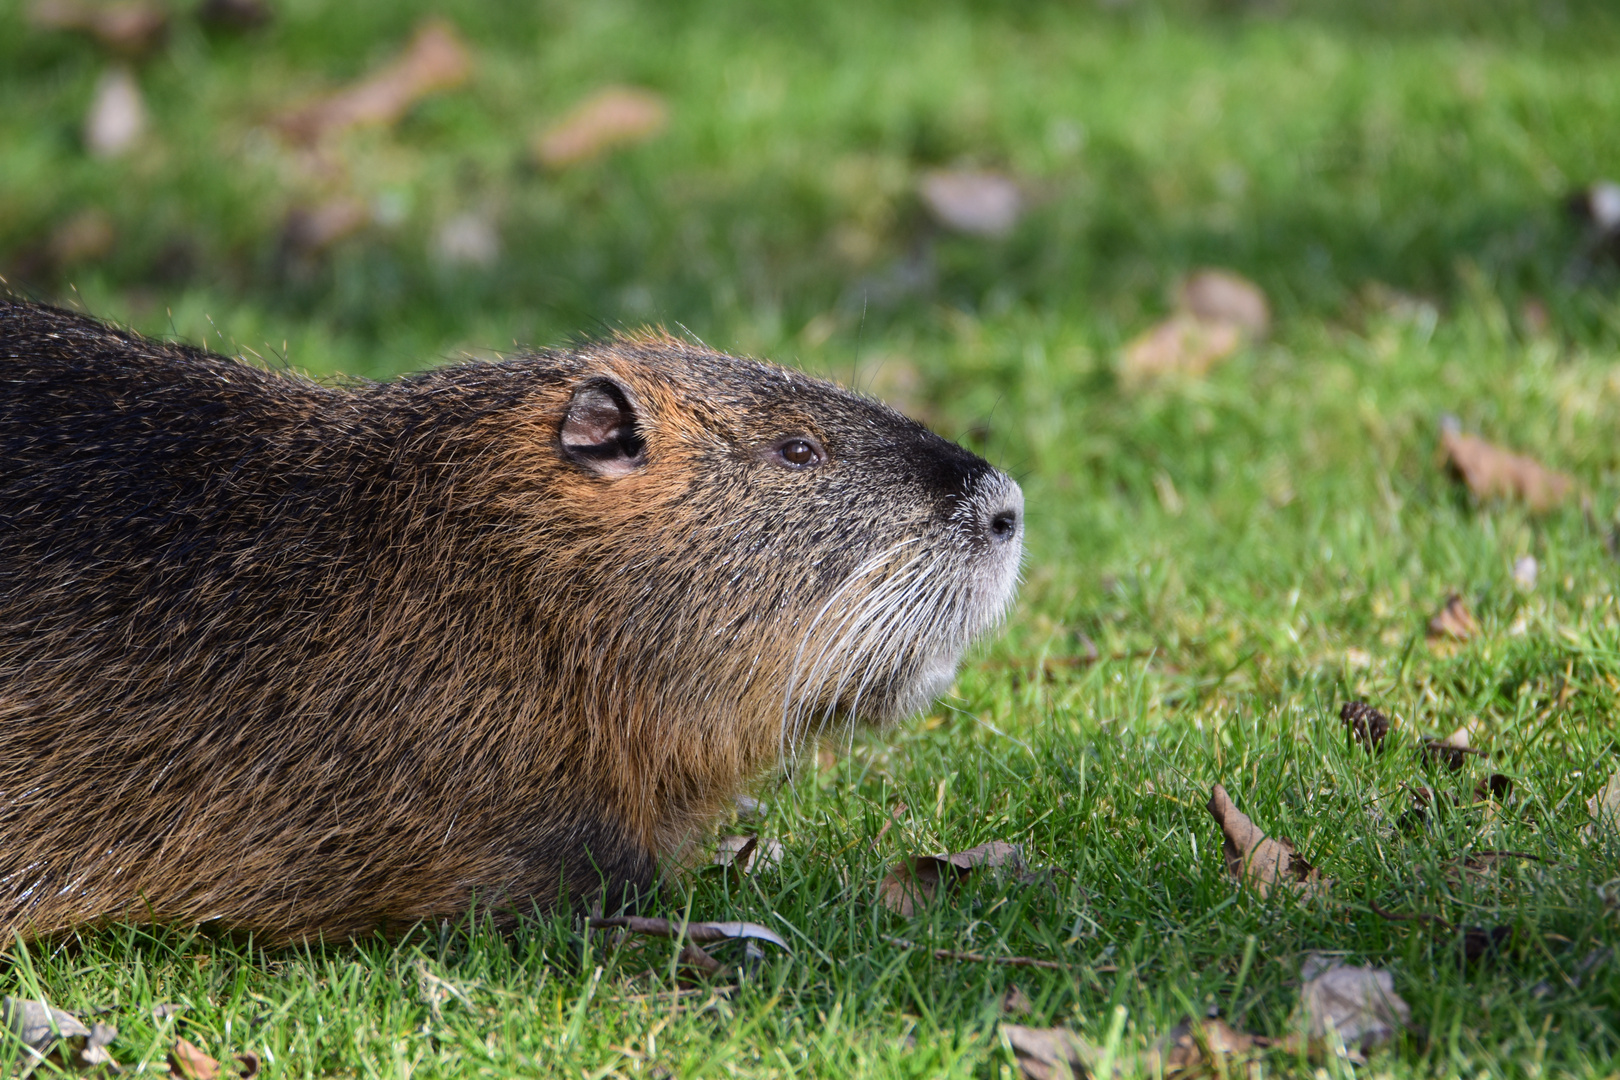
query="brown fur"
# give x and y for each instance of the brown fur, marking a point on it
(307, 660)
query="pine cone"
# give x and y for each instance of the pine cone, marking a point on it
(1364, 724)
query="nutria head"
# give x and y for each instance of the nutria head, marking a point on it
(765, 548)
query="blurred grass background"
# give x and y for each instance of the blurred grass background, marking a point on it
(1214, 564)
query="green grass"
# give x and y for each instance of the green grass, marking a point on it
(1246, 552)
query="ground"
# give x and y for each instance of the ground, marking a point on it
(1215, 565)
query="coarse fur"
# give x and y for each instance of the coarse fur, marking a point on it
(312, 660)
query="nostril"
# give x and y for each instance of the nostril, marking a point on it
(1004, 526)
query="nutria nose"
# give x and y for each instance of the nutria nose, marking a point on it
(1004, 514)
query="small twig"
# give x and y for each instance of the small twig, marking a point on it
(981, 958)
(1491, 853)
(1419, 916)
(675, 995)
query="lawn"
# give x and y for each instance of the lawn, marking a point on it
(1215, 564)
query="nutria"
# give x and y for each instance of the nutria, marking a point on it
(312, 660)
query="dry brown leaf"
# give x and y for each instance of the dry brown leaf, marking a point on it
(1050, 1053)
(435, 59)
(188, 1062)
(1525, 571)
(117, 115)
(1180, 345)
(1453, 622)
(129, 27)
(975, 202)
(1604, 807)
(913, 882)
(1255, 859)
(748, 854)
(1492, 472)
(1452, 750)
(310, 230)
(1199, 1048)
(248, 1064)
(694, 931)
(612, 117)
(1016, 1003)
(86, 237)
(38, 1025)
(1364, 724)
(467, 239)
(1359, 1003)
(1220, 296)
(94, 1053)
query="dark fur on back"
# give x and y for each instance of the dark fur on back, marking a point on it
(311, 660)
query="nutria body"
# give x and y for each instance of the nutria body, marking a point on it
(309, 660)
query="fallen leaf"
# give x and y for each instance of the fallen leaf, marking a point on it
(1364, 724)
(1255, 859)
(129, 27)
(38, 1025)
(748, 854)
(86, 237)
(249, 1065)
(309, 230)
(612, 117)
(1359, 1003)
(166, 1011)
(1492, 472)
(1016, 1003)
(976, 202)
(1482, 862)
(1525, 569)
(1494, 788)
(1180, 345)
(1199, 1048)
(1453, 622)
(1599, 203)
(466, 240)
(1050, 1053)
(913, 882)
(435, 59)
(701, 932)
(1604, 808)
(117, 116)
(94, 1052)
(1220, 296)
(188, 1062)
(1597, 208)
(1480, 942)
(1450, 751)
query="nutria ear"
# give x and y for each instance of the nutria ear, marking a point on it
(599, 430)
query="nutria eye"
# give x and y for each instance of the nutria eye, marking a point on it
(798, 453)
